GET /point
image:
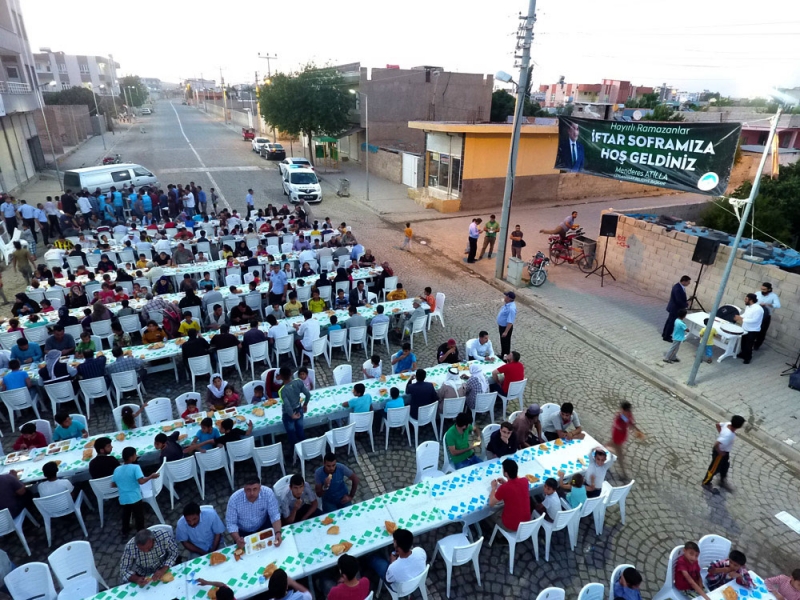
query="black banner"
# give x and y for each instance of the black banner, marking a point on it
(691, 157)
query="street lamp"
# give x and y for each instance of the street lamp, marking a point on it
(97, 114)
(366, 130)
(47, 127)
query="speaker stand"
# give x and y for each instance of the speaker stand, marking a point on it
(603, 268)
(693, 298)
(792, 367)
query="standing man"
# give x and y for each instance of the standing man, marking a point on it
(677, 301)
(28, 214)
(202, 201)
(720, 454)
(9, 211)
(293, 409)
(214, 198)
(750, 321)
(277, 284)
(250, 203)
(44, 223)
(769, 301)
(505, 322)
(474, 234)
(490, 236)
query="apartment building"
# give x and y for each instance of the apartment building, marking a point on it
(76, 70)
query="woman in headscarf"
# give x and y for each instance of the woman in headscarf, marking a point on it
(163, 286)
(171, 313)
(123, 275)
(322, 280)
(476, 384)
(452, 387)
(216, 392)
(100, 312)
(65, 319)
(77, 297)
(55, 370)
(105, 265)
(190, 299)
(24, 305)
(342, 275)
(242, 251)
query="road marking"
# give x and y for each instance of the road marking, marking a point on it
(200, 160)
(215, 169)
(789, 520)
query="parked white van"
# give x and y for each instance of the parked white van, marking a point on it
(302, 184)
(104, 177)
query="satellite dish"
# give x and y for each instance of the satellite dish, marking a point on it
(637, 115)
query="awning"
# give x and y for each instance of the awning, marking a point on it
(326, 139)
(351, 131)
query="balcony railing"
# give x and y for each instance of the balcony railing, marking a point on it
(14, 87)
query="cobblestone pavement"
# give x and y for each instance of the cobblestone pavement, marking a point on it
(665, 508)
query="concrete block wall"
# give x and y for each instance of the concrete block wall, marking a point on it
(653, 259)
(574, 186)
(386, 164)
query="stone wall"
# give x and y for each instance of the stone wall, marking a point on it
(684, 212)
(649, 257)
(386, 164)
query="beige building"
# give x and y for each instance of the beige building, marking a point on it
(76, 70)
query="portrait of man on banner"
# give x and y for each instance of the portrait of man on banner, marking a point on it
(570, 150)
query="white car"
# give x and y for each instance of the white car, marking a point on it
(258, 142)
(301, 184)
(294, 162)
(146, 111)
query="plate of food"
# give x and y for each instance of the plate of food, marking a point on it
(180, 341)
(543, 447)
(532, 478)
(258, 411)
(87, 454)
(240, 418)
(271, 402)
(238, 553)
(217, 558)
(383, 391)
(269, 570)
(405, 376)
(395, 310)
(327, 520)
(341, 547)
(333, 530)
(230, 411)
(156, 346)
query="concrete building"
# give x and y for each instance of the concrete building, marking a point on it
(20, 148)
(76, 70)
(610, 91)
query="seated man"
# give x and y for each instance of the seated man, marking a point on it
(52, 484)
(564, 424)
(350, 586)
(448, 352)
(25, 352)
(29, 438)
(299, 502)
(242, 314)
(147, 557)
(514, 494)
(528, 428)
(200, 531)
(404, 564)
(251, 509)
(512, 371)
(329, 484)
(480, 348)
(457, 442)
(404, 361)
(503, 441)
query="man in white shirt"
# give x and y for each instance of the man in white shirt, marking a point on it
(405, 562)
(770, 302)
(120, 228)
(188, 204)
(306, 255)
(53, 485)
(276, 330)
(163, 245)
(372, 367)
(86, 206)
(480, 348)
(720, 454)
(750, 321)
(308, 332)
(28, 214)
(250, 203)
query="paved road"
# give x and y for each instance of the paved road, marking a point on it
(666, 506)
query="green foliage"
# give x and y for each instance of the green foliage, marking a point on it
(134, 88)
(310, 102)
(777, 212)
(80, 95)
(503, 105)
(533, 109)
(646, 101)
(663, 112)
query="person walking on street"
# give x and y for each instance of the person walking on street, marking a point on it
(250, 203)
(750, 321)
(720, 454)
(474, 233)
(677, 301)
(623, 422)
(505, 321)
(490, 236)
(769, 301)
(214, 199)
(408, 233)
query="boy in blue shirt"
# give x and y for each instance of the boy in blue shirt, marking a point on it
(341, 300)
(362, 402)
(628, 585)
(405, 360)
(67, 429)
(25, 352)
(206, 436)
(334, 323)
(127, 478)
(678, 336)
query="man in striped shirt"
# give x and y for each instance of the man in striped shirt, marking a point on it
(147, 557)
(252, 509)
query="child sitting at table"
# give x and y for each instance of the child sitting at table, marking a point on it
(686, 572)
(334, 323)
(361, 402)
(187, 324)
(341, 300)
(29, 438)
(206, 436)
(13, 325)
(258, 395)
(128, 417)
(86, 321)
(86, 343)
(119, 294)
(230, 396)
(231, 433)
(106, 293)
(191, 408)
(729, 569)
(575, 490)
(302, 375)
(67, 429)
(121, 338)
(45, 305)
(627, 587)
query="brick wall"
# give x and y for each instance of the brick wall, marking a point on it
(649, 257)
(386, 164)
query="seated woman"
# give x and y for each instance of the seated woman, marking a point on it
(190, 299)
(65, 319)
(306, 271)
(76, 297)
(242, 251)
(24, 305)
(100, 312)
(163, 285)
(266, 227)
(216, 393)
(55, 370)
(105, 265)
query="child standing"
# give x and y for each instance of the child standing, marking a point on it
(678, 336)
(409, 233)
(619, 431)
(127, 478)
(720, 453)
(710, 343)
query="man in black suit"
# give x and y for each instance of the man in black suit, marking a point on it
(677, 302)
(570, 151)
(358, 296)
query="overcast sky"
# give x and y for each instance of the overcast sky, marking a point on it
(692, 45)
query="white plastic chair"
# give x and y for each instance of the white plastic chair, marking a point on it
(712, 548)
(356, 336)
(158, 410)
(254, 301)
(231, 302)
(258, 352)
(37, 335)
(199, 365)
(401, 590)
(31, 581)
(229, 357)
(95, 388)
(438, 312)
(363, 422)
(284, 345)
(81, 420)
(267, 456)
(212, 460)
(668, 590)
(74, 330)
(151, 490)
(342, 374)
(16, 400)
(457, 550)
(592, 591)
(130, 324)
(181, 470)
(248, 390)
(564, 520)
(103, 491)
(117, 414)
(233, 279)
(593, 507)
(59, 505)
(397, 417)
(318, 348)
(72, 561)
(486, 434)
(163, 527)
(548, 411)
(615, 575)
(450, 410)
(337, 339)
(195, 312)
(180, 401)
(516, 390)
(484, 403)
(427, 461)
(551, 593)
(303, 293)
(102, 329)
(417, 326)
(389, 285)
(239, 451)
(343, 436)
(10, 524)
(74, 262)
(280, 487)
(380, 333)
(127, 381)
(308, 449)
(44, 428)
(426, 415)
(614, 495)
(9, 339)
(526, 530)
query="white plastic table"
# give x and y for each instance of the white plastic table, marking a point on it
(727, 340)
(759, 592)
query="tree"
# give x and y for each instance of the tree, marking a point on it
(663, 112)
(75, 96)
(134, 88)
(503, 105)
(313, 101)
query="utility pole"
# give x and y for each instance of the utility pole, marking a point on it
(205, 95)
(224, 101)
(258, 107)
(268, 58)
(734, 247)
(525, 34)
